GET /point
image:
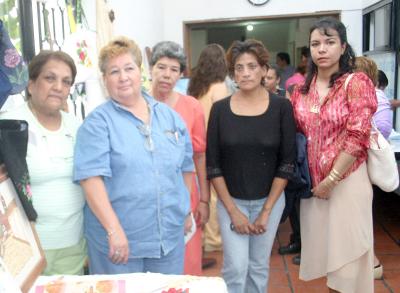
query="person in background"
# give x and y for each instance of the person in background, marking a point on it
(299, 76)
(167, 63)
(52, 133)
(208, 85)
(383, 117)
(133, 158)
(182, 84)
(383, 82)
(336, 223)
(294, 245)
(272, 80)
(250, 154)
(285, 69)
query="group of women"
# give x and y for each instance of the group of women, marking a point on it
(143, 159)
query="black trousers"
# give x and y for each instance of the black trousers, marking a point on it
(294, 218)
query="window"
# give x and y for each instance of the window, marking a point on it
(378, 27)
(9, 16)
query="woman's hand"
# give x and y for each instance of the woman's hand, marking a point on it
(188, 223)
(202, 214)
(240, 223)
(260, 224)
(119, 246)
(324, 188)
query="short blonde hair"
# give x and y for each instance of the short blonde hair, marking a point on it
(368, 66)
(116, 47)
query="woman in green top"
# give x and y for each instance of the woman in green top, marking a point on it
(58, 202)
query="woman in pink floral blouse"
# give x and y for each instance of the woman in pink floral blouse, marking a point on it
(336, 223)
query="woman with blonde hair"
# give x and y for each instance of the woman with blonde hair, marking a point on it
(133, 159)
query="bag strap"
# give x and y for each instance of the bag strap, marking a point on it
(349, 77)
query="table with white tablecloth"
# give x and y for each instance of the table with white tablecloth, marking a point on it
(132, 283)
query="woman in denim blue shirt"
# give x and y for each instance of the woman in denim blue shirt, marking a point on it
(134, 161)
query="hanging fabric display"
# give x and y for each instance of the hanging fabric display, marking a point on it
(13, 149)
(13, 70)
(71, 18)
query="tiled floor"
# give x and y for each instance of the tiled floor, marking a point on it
(284, 275)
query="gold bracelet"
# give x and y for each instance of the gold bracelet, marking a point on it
(336, 177)
(336, 173)
(332, 179)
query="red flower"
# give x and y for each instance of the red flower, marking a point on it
(82, 56)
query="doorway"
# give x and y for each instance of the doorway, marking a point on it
(286, 33)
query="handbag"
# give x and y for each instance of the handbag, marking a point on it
(381, 162)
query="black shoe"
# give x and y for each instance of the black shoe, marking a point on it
(296, 260)
(293, 247)
(207, 262)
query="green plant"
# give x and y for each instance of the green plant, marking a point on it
(9, 14)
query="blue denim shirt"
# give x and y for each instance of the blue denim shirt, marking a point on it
(146, 188)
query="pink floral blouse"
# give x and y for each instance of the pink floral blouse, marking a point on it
(340, 122)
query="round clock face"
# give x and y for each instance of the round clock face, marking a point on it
(258, 2)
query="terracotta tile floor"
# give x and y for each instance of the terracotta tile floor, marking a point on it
(284, 275)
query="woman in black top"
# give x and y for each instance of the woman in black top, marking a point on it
(250, 155)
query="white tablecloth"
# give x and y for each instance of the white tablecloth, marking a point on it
(134, 283)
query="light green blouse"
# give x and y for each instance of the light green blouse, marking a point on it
(58, 201)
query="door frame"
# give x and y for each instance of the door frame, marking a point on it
(189, 25)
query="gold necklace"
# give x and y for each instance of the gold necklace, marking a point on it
(314, 109)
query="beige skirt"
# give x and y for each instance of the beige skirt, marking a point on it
(337, 235)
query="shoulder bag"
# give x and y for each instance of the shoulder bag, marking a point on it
(381, 162)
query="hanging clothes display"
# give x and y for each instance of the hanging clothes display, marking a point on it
(13, 70)
(13, 149)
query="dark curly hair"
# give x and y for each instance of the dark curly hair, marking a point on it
(346, 62)
(211, 68)
(250, 46)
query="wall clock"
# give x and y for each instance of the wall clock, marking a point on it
(258, 2)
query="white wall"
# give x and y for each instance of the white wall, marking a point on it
(141, 21)
(353, 22)
(148, 22)
(175, 12)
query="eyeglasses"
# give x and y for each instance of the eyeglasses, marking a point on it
(145, 130)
